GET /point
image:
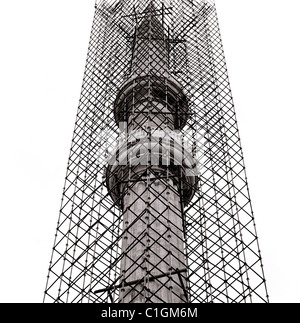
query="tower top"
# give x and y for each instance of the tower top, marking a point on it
(150, 24)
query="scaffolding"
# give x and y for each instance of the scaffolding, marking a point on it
(156, 205)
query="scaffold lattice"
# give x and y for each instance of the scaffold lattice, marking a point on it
(156, 205)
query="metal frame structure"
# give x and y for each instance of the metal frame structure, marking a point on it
(140, 222)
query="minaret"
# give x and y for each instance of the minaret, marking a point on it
(156, 204)
(149, 163)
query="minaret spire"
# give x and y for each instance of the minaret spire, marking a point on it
(150, 52)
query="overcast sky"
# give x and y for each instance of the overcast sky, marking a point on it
(42, 58)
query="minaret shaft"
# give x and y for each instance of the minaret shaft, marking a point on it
(153, 243)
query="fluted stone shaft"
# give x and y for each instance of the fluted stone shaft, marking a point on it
(153, 243)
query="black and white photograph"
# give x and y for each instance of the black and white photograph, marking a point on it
(150, 152)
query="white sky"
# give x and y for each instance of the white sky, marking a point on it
(42, 57)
